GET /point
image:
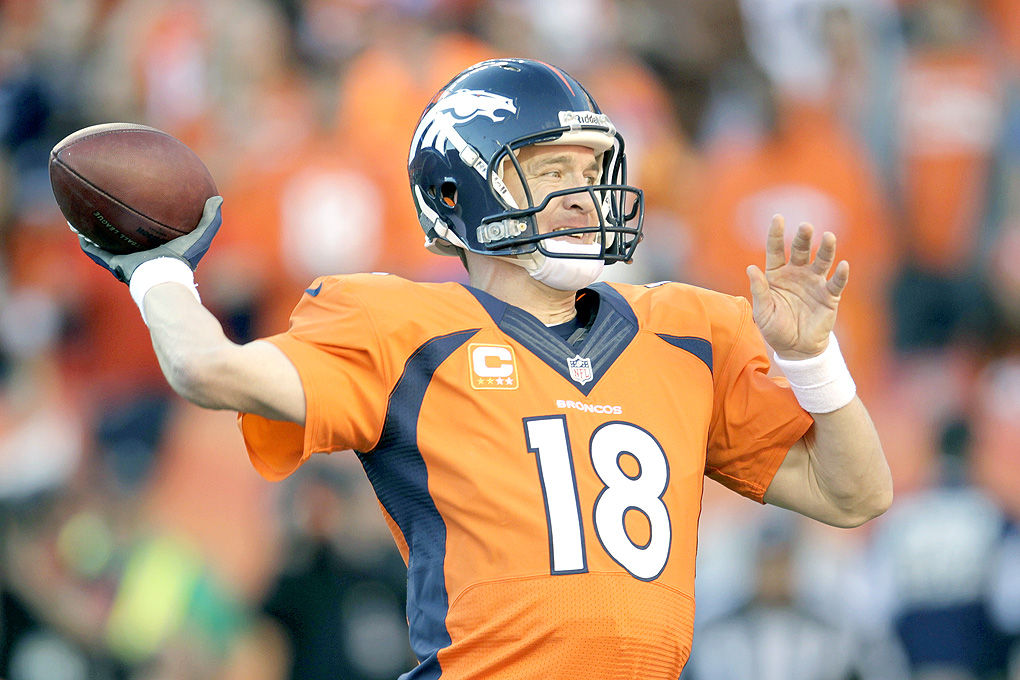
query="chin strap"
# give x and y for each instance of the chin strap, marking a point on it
(563, 273)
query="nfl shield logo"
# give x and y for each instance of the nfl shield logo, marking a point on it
(580, 370)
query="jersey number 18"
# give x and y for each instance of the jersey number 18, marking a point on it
(548, 439)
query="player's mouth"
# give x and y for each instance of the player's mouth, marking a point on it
(584, 237)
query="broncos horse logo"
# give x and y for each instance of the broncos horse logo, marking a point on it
(437, 125)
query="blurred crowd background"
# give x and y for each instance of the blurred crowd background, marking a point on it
(136, 542)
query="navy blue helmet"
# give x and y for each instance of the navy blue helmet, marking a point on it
(467, 138)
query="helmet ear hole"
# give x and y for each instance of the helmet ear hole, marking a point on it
(448, 192)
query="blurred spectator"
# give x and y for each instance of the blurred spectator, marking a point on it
(335, 609)
(42, 438)
(838, 53)
(88, 594)
(863, 47)
(938, 550)
(773, 636)
(540, 28)
(1005, 601)
(52, 613)
(413, 61)
(996, 427)
(116, 387)
(42, 448)
(200, 490)
(950, 116)
(1001, 245)
(687, 45)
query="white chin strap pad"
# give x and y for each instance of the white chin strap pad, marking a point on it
(563, 273)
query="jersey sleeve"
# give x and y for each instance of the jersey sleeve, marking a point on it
(755, 418)
(333, 344)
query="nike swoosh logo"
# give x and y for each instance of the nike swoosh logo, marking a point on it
(314, 291)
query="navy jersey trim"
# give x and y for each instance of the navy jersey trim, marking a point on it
(699, 347)
(398, 474)
(612, 330)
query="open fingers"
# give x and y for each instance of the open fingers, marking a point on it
(800, 249)
(759, 284)
(826, 254)
(775, 244)
(839, 279)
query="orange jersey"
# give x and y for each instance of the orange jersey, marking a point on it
(545, 496)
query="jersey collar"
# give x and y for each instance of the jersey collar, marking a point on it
(612, 329)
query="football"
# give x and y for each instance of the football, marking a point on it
(128, 187)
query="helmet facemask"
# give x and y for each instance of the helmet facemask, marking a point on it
(471, 133)
(554, 258)
(618, 207)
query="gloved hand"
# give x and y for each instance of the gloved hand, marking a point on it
(188, 248)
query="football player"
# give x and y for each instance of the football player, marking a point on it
(538, 441)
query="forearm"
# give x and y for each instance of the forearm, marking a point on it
(208, 369)
(186, 338)
(837, 472)
(847, 465)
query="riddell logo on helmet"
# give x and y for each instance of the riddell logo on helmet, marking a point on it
(583, 118)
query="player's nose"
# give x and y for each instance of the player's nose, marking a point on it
(582, 200)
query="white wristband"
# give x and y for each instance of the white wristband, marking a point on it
(821, 383)
(160, 270)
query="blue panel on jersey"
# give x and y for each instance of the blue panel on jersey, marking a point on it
(400, 478)
(699, 347)
(612, 329)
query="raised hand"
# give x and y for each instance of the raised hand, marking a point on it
(794, 300)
